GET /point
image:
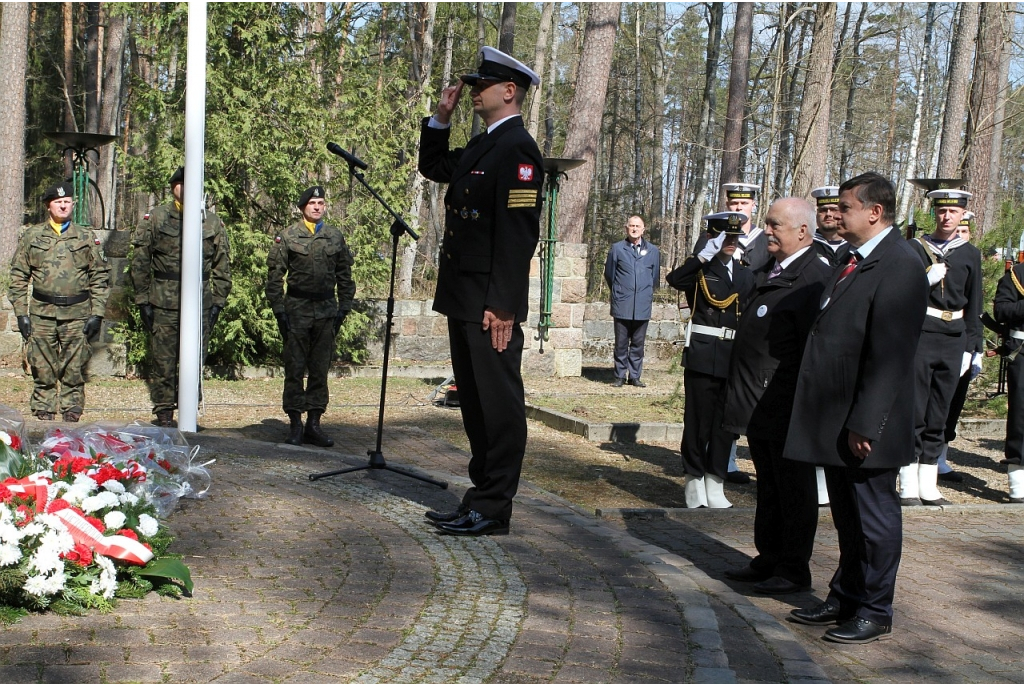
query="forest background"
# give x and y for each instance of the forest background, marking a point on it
(663, 101)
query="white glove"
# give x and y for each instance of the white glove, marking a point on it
(975, 365)
(965, 363)
(713, 247)
(936, 273)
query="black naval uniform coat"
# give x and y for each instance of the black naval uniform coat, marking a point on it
(705, 445)
(492, 224)
(759, 399)
(1008, 309)
(857, 375)
(833, 254)
(755, 254)
(943, 343)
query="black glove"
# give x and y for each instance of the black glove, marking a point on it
(146, 314)
(282, 324)
(214, 315)
(339, 319)
(25, 326)
(92, 327)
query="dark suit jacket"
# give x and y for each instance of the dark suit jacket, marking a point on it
(633, 279)
(769, 345)
(706, 354)
(857, 372)
(492, 218)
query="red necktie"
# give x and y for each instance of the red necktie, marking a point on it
(847, 270)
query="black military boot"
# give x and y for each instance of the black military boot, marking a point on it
(295, 436)
(165, 418)
(313, 434)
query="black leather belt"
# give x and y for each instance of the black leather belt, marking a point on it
(309, 295)
(61, 300)
(173, 276)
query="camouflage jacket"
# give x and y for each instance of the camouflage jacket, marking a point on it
(156, 264)
(316, 264)
(68, 264)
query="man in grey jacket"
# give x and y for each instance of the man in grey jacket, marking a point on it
(632, 271)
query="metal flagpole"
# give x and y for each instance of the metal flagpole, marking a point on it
(191, 311)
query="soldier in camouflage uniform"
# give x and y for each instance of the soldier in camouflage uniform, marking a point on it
(70, 281)
(317, 262)
(156, 275)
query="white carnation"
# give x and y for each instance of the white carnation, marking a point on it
(54, 489)
(148, 525)
(99, 501)
(114, 520)
(106, 584)
(5, 437)
(34, 528)
(36, 585)
(9, 533)
(45, 560)
(9, 554)
(113, 486)
(129, 498)
(55, 583)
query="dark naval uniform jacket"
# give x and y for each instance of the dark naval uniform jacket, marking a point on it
(857, 372)
(1008, 309)
(959, 289)
(754, 254)
(706, 354)
(833, 254)
(769, 346)
(492, 218)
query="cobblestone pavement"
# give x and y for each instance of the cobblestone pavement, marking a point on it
(341, 580)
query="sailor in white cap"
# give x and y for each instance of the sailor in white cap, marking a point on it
(492, 225)
(951, 339)
(827, 242)
(717, 287)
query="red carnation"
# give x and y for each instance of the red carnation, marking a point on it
(80, 555)
(15, 442)
(5, 494)
(57, 505)
(96, 523)
(128, 533)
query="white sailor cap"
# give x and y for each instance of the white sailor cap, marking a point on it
(826, 195)
(741, 191)
(947, 197)
(495, 65)
(731, 223)
(967, 218)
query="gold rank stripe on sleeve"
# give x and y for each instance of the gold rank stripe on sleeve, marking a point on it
(522, 197)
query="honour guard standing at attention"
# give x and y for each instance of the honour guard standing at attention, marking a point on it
(827, 243)
(951, 339)
(759, 398)
(318, 265)
(1008, 310)
(717, 288)
(70, 281)
(156, 275)
(492, 226)
(752, 249)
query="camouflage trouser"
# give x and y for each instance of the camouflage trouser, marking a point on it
(163, 352)
(58, 353)
(308, 348)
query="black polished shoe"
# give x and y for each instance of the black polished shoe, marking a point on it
(952, 477)
(637, 383)
(824, 614)
(473, 524)
(737, 478)
(446, 516)
(618, 382)
(910, 501)
(747, 574)
(777, 585)
(858, 631)
(940, 502)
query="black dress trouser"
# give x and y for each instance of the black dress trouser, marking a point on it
(705, 446)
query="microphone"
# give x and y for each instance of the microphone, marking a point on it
(345, 155)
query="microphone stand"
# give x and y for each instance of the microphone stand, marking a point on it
(398, 228)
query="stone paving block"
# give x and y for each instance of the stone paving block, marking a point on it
(530, 668)
(81, 674)
(575, 673)
(20, 674)
(713, 675)
(192, 672)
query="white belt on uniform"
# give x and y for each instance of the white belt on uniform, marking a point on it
(720, 333)
(1016, 334)
(944, 315)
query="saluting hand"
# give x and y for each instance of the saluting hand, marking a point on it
(448, 102)
(499, 323)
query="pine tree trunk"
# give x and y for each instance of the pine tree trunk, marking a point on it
(507, 30)
(707, 115)
(847, 153)
(992, 197)
(585, 115)
(658, 121)
(812, 127)
(910, 168)
(110, 108)
(956, 91)
(540, 56)
(13, 69)
(739, 76)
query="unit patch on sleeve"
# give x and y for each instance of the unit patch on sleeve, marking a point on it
(522, 197)
(525, 172)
